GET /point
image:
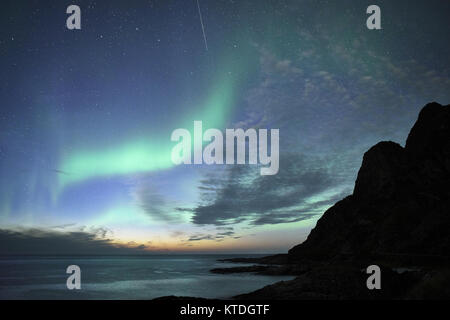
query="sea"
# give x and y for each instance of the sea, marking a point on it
(126, 277)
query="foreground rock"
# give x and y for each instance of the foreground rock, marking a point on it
(271, 270)
(336, 282)
(275, 259)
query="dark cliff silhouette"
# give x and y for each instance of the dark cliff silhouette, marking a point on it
(398, 217)
(400, 206)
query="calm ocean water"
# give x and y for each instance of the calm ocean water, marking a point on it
(125, 277)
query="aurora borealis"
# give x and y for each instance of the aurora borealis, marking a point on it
(86, 115)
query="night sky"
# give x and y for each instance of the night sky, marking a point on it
(86, 115)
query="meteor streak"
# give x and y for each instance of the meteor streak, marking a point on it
(203, 27)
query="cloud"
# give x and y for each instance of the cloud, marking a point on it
(199, 237)
(146, 193)
(101, 232)
(42, 241)
(284, 217)
(153, 203)
(63, 226)
(177, 233)
(226, 233)
(243, 195)
(222, 232)
(338, 94)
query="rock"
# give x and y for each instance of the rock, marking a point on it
(430, 134)
(239, 269)
(336, 282)
(381, 170)
(275, 259)
(271, 270)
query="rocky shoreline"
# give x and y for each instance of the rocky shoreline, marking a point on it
(339, 280)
